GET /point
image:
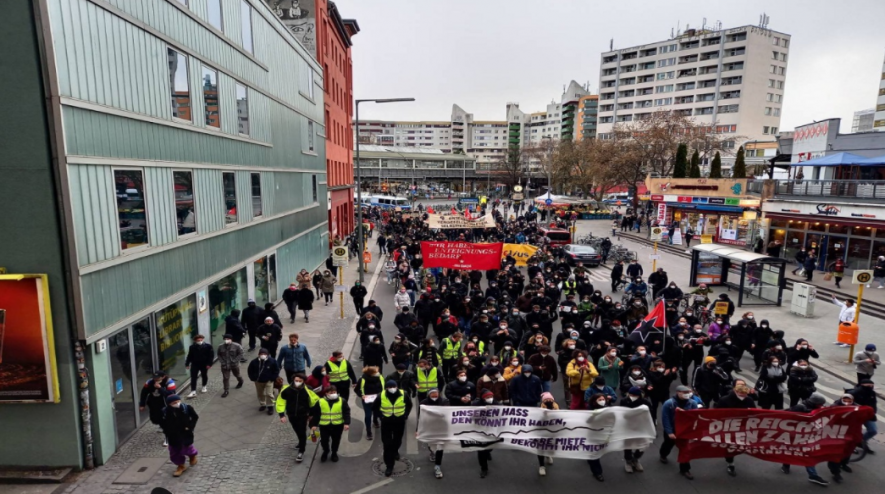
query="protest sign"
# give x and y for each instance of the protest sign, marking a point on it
(520, 252)
(461, 255)
(458, 222)
(579, 434)
(827, 434)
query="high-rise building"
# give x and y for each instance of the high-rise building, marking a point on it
(879, 120)
(588, 108)
(863, 121)
(729, 79)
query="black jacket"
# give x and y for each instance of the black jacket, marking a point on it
(375, 354)
(358, 292)
(801, 381)
(865, 397)
(178, 425)
(345, 413)
(200, 356)
(263, 371)
(252, 317)
(731, 400)
(406, 382)
(234, 328)
(297, 402)
(456, 390)
(376, 409)
(290, 296)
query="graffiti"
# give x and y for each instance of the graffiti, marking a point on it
(827, 210)
(736, 189)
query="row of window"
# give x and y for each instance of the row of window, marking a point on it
(132, 207)
(689, 45)
(769, 130)
(776, 98)
(216, 19)
(780, 56)
(772, 112)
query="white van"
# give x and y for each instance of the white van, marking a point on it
(624, 197)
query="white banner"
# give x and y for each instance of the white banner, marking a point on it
(577, 434)
(459, 222)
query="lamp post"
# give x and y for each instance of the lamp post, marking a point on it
(359, 183)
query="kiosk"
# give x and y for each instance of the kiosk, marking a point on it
(759, 279)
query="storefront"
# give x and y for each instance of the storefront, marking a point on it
(834, 231)
(730, 221)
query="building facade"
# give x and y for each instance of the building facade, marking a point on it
(169, 157)
(732, 80)
(863, 120)
(588, 112)
(334, 55)
(879, 119)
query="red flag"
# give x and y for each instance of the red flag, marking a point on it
(467, 214)
(650, 330)
(430, 210)
(454, 211)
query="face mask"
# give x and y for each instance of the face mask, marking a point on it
(177, 404)
(698, 330)
(804, 346)
(514, 363)
(637, 373)
(397, 340)
(462, 378)
(298, 384)
(465, 362)
(764, 326)
(332, 396)
(778, 347)
(228, 342)
(516, 313)
(686, 396)
(433, 398)
(489, 400)
(600, 403)
(728, 342)
(608, 300)
(262, 357)
(689, 313)
(633, 398)
(848, 404)
(371, 326)
(642, 353)
(508, 347)
(580, 359)
(571, 347)
(527, 374)
(391, 389)
(199, 342)
(802, 366)
(340, 359)
(718, 322)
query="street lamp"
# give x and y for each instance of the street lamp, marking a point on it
(359, 183)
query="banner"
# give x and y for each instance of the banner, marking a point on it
(827, 434)
(576, 434)
(458, 222)
(461, 255)
(520, 252)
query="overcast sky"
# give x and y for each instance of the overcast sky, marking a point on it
(482, 54)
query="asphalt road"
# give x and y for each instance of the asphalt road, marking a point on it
(359, 470)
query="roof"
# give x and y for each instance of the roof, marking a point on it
(738, 255)
(837, 159)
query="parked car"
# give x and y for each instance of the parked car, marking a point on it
(584, 253)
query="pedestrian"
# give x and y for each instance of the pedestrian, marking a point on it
(153, 397)
(178, 423)
(294, 358)
(296, 404)
(393, 407)
(358, 293)
(434, 399)
(865, 362)
(808, 405)
(200, 356)
(318, 380)
(879, 272)
(682, 400)
(709, 380)
(865, 395)
(809, 265)
(375, 353)
(526, 388)
(270, 334)
(405, 379)
(340, 374)
(333, 421)
(581, 374)
(302, 278)
(317, 282)
(229, 356)
(252, 320)
(263, 371)
(617, 274)
(370, 385)
(271, 313)
(234, 328)
(738, 398)
(634, 399)
(800, 383)
(545, 367)
(402, 300)
(837, 268)
(390, 269)
(290, 298)
(305, 302)
(328, 286)
(800, 257)
(689, 234)
(771, 384)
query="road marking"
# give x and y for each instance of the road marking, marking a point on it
(373, 486)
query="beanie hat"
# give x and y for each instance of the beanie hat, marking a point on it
(171, 398)
(817, 399)
(263, 351)
(709, 359)
(870, 347)
(547, 396)
(488, 394)
(635, 391)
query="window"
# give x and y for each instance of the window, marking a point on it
(665, 75)
(767, 111)
(210, 98)
(783, 57)
(310, 82)
(178, 82)
(771, 83)
(772, 69)
(314, 187)
(775, 55)
(776, 41)
(215, 17)
(666, 62)
(664, 89)
(728, 145)
(243, 109)
(229, 186)
(663, 101)
(765, 129)
(781, 71)
(310, 136)
(246, 25)
(778, 98)
(774, 130)
(183, 2)
(769, 97)
(129, 185)
(256, 195)
(185, 208)
(780, 84)
(777, 112)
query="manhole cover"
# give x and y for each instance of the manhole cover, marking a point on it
(400, 468)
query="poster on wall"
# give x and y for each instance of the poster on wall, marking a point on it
(28, 371)
(176, 328)
(299, 16)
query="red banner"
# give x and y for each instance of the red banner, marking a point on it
(461, 255)
(827, 434)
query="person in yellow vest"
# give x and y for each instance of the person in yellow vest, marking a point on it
(333, 420)
(394, 407)
(450, 351)
(428, 377)
(298, 403)
(341, 374)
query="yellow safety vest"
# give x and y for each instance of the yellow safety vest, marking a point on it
(450, 349)
(428, 381)
(480, 346)
(395, 409)
(331, 415)
(570, 286)
(281, 402)
(339, 372)
(363, 384)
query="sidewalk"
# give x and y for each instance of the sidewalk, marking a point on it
(241, 449)
(819, 330)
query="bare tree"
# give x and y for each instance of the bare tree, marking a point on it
(544, 155)
(512, 167)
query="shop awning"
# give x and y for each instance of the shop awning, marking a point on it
(838, 159)
(863, 223)
(738, 255)
(705, 207)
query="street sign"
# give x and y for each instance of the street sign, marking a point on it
(706, 239)
(657, 233)
(654, 257)
(548, 201)
(339, 256)
(862, 276)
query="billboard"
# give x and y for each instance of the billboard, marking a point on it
(28, 371)
(299, 16)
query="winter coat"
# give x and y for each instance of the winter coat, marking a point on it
(270, 335)
(200, 356)
(864, 367)
(401, 299)
(456, 389)
(525, 391)
(356, 292)
(370, 383)
(607, 391)
(550, 372)
(234, 328)
(295, 359)
(290, 296)
(772, 380)
(660, 382)
(668, 412)
(154, 398)
(178, 425)
(252, 317)
(708, 380)
(497, 386)
(865, 397)
(629, 380)
(328, 283)
(263, 371)
(229, 355)
(580, 377)
(801, 381)
(407, 381)
(375, 355)
(305, 299)
(731, 400)
(345, 412)
(297, 402)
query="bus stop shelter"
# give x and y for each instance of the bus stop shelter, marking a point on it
(758, 279)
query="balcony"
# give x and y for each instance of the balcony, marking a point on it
(872, 190)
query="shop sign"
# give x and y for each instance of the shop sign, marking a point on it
(657, 197)
(727, 234)
(699, 200)
(662, 213)
(670, 198)
(717, 200)
(732, 242)
(731, 201)
(683, 199)
(830, 210)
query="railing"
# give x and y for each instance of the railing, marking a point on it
(858, 189)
